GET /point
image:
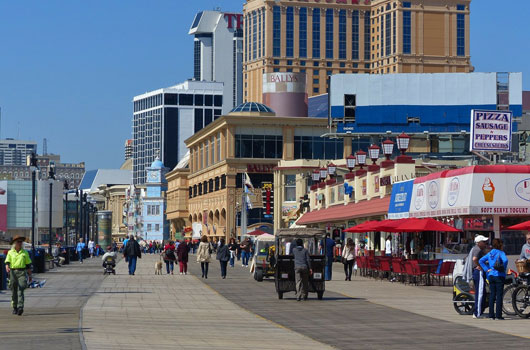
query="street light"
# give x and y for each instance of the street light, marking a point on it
(65, 231)
(51, 178)
(403, 141)
(361, 158)
(323, 173)
(33, 167)
(388, 148)
(316, 176)
(332, 169)
(373, 151)
(350, 162)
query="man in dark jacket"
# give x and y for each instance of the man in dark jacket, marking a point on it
(132, 252)
(302, 269)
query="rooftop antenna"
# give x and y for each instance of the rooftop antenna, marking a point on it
(45, 147)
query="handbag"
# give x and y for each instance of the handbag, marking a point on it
(499, 266)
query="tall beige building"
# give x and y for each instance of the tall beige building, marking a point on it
(325, 37)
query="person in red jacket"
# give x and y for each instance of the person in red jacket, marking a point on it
(182, 253)
(169, 256)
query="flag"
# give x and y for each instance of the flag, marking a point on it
(248, 188)
(248, 183)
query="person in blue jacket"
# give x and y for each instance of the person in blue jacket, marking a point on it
(79, 249)
(494, 264)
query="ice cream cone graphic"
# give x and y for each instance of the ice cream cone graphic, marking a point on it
(489, 190)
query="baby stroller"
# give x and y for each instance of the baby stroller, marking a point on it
(108, 266)
(464, 296)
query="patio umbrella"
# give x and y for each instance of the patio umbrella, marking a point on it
(360, 228)
(256, 233)
(422, 225)
(523, 226)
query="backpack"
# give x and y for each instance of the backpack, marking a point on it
(170, 254)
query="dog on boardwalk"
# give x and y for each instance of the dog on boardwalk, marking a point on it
(158, 267)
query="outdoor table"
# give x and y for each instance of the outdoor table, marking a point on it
(429, 271)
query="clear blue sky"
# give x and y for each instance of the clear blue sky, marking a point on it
(69, 69)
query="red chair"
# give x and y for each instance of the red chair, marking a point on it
(384, 268)
(414, 272)
(446, 270)
(398, 269)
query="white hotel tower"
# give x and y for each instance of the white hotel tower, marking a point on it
(218, 53)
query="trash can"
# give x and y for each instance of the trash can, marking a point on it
(38, 260)
(3, 273)
(73, 254)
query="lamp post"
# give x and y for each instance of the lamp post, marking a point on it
(33, 166)
(350, 163)
(332, 169)
(65, 232)
(403, 141)
(373, 153)
(51, 178)
(76, 216)
(388, 149)
(361, 158)
(323, 173)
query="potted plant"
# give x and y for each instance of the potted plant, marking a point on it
(48, 258)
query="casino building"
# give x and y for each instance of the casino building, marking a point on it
(322, 38)
(205, 191)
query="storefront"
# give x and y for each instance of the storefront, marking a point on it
(249, 140)
(483, 199)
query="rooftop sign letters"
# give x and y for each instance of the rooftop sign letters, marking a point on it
(491, 131)
(230, 17)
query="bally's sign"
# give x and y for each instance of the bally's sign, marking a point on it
(491, 131)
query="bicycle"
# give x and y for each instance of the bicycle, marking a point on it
(521, 294)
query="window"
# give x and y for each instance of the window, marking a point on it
(198, 119)
(199, 100)
(413, 120)
(388, 33)
(394, 32)
(170, 99)
(289, 62)
(149, 226)
(218, 147)
(197, 60)
(342, 34)
(355, 35)
(316, 147)
(367, 38)
(258, 146)
(201, 158)
(329, 33)
(460, 7)
(302, 35)
(329, 64)
(208, 116)
(316, 90)
(208, 100)
(186, 99)
(406, 4)
(349, 108)
(290, 188)
(218, 100)
(260, 28)
(276, 32)
(289, 32)
(460, 34)
(406, 31)
(316, 81)
(302, 63)
(316, 33)
(254, 34)
(206, 154)
(157, 227)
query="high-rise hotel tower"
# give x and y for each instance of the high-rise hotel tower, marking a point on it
(325, 37)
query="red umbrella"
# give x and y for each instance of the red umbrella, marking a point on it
(421, 225)
(256, 233)
(523, 226)
(360, 227)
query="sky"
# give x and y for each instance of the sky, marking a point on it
(69, 69)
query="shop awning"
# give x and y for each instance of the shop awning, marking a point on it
(372, 207)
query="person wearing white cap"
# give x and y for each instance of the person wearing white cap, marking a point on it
(474, 271)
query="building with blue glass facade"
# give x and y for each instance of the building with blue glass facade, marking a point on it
(164, 118)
